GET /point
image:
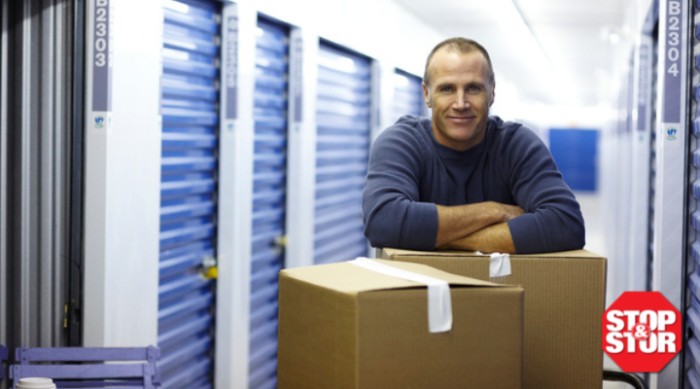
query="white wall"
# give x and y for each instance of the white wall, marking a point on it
(122, 186)
(236, 152)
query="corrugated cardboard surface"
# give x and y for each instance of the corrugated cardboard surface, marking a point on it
(564, 304)
(342, 326)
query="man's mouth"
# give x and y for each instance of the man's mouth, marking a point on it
(460, 118)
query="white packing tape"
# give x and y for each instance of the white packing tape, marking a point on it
(439, 300)
(499, 265)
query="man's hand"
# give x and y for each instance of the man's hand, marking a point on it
(495, 238)
(455, 223)
(510, 211)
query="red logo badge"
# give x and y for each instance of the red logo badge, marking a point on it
(642, 332)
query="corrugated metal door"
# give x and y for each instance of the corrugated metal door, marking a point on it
(343, 135)
(188, 192)
(652, 161)
(41, 172)
(575, 151)
(269, 198)
(408, 95)
(692, 347)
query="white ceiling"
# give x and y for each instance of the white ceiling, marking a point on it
(571, 58)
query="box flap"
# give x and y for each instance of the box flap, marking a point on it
(348, 278)
(394, 253)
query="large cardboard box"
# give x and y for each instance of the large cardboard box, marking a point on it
(344, 326)
(564, 304)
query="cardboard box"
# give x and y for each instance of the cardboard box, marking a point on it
(344, 326)
(564, 305)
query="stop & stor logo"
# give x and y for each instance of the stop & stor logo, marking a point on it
(642, 332)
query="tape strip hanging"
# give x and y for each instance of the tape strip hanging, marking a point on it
(439, 299)
(499, 265)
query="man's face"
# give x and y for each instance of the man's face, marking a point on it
(460, 96)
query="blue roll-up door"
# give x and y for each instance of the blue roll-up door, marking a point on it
(343, 134)
(269, 182)
(652, 161)
(692, 347)
(408, 95)
(575, 151)
(188, 192)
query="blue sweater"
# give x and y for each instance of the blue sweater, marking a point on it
(410, 172)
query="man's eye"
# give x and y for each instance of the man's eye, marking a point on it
(473, 89)
(445, 89)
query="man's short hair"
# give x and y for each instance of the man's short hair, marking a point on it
(462, 45)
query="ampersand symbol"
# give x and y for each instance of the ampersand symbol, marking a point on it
(641, 331)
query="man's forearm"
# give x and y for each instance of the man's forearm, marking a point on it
(494, 238)
(461, 221)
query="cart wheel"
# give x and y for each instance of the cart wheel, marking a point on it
(632, 379)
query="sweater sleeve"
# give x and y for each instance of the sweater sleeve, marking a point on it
(552, 219)
(393, 216)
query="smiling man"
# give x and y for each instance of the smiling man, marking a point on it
(462, 179)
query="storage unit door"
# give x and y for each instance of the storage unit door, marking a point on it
(575, 152)
(408, 95)
(269, 198)
(188, 192)
(692, 346)
(343, 129)
(652, 162)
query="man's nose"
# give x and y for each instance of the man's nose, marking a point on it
(461, 101)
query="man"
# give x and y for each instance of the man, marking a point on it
(464, 180)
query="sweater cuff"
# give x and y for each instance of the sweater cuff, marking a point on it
(527, 237)
(420, 227)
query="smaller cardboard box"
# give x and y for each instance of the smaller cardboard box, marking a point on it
(564, 304)
(345, 326)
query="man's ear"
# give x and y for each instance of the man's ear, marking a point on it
(426, 95)
(492, 96)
